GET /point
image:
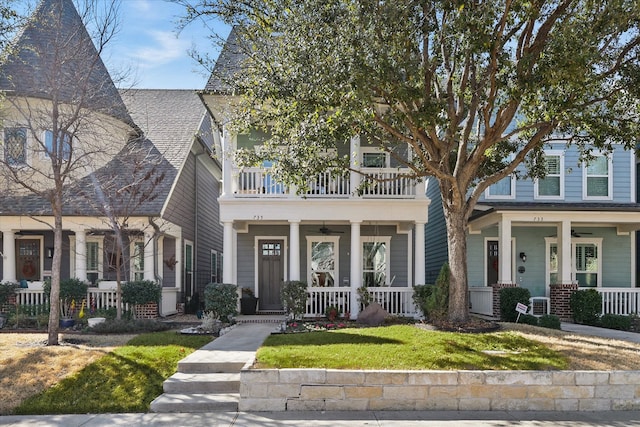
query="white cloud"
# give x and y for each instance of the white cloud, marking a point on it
(163, 48)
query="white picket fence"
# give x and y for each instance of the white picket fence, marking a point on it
(97, 299)
(623, 301)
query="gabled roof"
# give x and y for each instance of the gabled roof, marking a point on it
(54, 56)
(227, 66)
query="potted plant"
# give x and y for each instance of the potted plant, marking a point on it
(248, 302)
(73, 292)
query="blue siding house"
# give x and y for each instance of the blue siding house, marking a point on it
(576, 228)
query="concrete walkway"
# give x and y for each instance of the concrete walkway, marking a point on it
(601, 332)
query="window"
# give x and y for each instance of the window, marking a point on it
(374, 158)
(322, 253)
(49, 148)
(137, 260)
(94, 258)
(375, 268)
(503, 189)
(597, 182)
(552, 185)
(15, 146)
(553, 263)
(214, 267)
(587, 265)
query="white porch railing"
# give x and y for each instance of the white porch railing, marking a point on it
(623, 301)
(97, 299)
(481, 300)
(397, 301)
(382, 183)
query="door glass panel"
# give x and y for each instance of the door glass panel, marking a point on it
(374, 264)
(553, 263)
(586, 264)
(323, 263)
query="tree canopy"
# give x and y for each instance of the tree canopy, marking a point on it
(473, 88)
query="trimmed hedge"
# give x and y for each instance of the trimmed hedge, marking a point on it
(141, 292)
(549, 321)
(586, 306)
(616, 321)
(509, 298)
(221, 299)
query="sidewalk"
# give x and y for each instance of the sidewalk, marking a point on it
(336, 419)
(601, 332)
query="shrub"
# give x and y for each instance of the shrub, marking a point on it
(420, 295)
(332, 312)
(221, 299)
(6, 290)
(616, 321)
(364, 296)
(509, 298)
(72, 293)
(141, 292)
(438, 300)
(294, 298)
(586, 306)
(528, 319)
(549, 321)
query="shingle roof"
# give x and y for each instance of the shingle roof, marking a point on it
(553, 206)
(55, 57)
(227, 66)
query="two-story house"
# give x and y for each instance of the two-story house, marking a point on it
(334, 235)
(575, 228)
(142, 159)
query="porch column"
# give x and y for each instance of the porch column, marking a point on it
(419, 254)
(148, 257)
(9, 256)
(294, 250)
(564, 252)
(355, 267)
(227, 253)
(354, 163)
(227, 163)
(81, 255)
(504, 236)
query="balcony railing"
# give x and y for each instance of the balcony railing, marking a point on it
(378, 183)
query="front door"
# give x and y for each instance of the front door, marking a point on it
(28, 259)
(493, 262)
(270, 274)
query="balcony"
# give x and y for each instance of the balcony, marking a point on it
(378, 183)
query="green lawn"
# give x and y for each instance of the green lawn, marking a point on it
(126, 380)
(406, 347)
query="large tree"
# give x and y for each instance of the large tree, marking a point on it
(474, 88)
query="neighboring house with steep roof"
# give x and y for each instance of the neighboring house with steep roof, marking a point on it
(337, 236)
(146, 161)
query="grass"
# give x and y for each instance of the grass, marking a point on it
(407, 347)
(125, 380)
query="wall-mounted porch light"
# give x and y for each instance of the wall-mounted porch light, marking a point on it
(523, 257)
(49, 252)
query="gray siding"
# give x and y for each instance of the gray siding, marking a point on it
(169, 275)
(181, 207)
(209, 230)
(436, 252)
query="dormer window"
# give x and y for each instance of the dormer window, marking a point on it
(15, 146)
(63, 138)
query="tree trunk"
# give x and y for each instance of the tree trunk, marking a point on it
(457, 245)
(54, 298)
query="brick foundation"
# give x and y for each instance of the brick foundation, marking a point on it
(496, 296)
(146, 311)
(560, 295)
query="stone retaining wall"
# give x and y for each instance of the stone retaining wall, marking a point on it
(337, 390)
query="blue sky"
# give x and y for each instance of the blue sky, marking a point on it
(155, 56)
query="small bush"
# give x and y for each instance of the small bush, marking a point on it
(586, 306)
(421, 294)
(332, 313)
(438, 301)
(549, 321)
(221, 299)
(141, 292)
(528, 319)
(6, 290)
(128, 326)
(294, 298)
(509, 298)
(364, 296)
(616, 321)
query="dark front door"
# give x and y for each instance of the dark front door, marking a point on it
(28, 259)
(270, 273)
(493, 262)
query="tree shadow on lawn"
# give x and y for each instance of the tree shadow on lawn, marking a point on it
(325, 338)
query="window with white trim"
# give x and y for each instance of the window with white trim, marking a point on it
(597, 182)
(586, 262)
(374, 158)
(375, 265)
(137, 260)
(552, 185)
(214, 267)
(94, 257)
(503, 189)
(15, 146)
(322, 253)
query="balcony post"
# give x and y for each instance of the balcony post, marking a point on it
(294, 250)
(227, 252)
(228, 143)
(420, 254)
(9, 256)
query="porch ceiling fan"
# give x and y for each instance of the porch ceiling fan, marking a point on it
(326, 230)
(574, 233)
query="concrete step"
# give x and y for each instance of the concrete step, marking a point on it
(199, 402)
(210, 367)
(202, 383)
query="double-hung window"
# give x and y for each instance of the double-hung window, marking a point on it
(214, 267)
(375, 265)
(322, 253)
(15, 146)
(503, 189)
(552, 185)
(93, 257)
(64, 142)
(597, 182)
(374, 158)
(137, 260)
